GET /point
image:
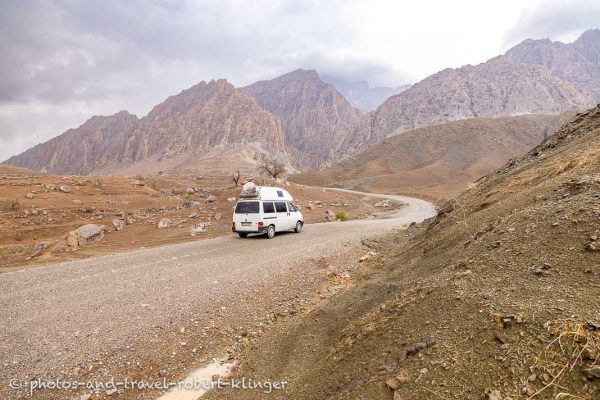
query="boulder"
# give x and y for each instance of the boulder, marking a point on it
(85, 234)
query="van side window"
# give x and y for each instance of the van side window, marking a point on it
(280, 207)
(279, 193)
(268, 207)
(292, 207)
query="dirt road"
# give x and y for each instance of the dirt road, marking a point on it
(55, 317)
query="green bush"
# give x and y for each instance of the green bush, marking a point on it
(341, 215)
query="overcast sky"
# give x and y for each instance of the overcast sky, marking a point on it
(63, 61)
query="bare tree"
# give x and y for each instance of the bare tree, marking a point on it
(236, 177)
(270, 166)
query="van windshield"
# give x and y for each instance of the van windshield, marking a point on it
(247, 207)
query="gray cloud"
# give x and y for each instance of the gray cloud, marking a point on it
(555, 19)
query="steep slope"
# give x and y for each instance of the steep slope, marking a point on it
(498, 87)
(193, 130)
(577, 62)
(314, 115)
(496, 298)
(97, 143)
(361, 95)
(439, 161)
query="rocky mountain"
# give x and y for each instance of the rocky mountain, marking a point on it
(98, 143)
(316, 118)
(498, 87)
(198, 127)
(439, 161)
(577, 62)
(361, 95)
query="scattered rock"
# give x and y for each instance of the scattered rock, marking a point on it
(38, 250)
(30, 195)
(231, 199)
(591, 247)
(494, 395)
(77, 202)
(65, 189)
(165, 223)
(211, 199)
(112, 391)
(310, 206)
(84, 235)
(197, 229)
(382, 203)
(592, 373)
(119, 224)
(86, 396)
(218, 216)
(393, 383)
(190, 190)
(138, 182)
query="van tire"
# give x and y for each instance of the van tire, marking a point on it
(270, 232)
(242, 235)
(298, 227)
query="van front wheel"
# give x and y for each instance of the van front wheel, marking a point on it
(271, 232)
(298, 227)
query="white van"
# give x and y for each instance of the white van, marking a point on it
(266, 210)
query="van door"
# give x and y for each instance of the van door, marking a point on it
(283, 216)
(269, 214)
(246, 216)
(294, 213)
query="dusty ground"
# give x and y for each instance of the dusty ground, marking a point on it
(50, 214)
(497, 299)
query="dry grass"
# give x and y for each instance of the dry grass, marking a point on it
(574, 344)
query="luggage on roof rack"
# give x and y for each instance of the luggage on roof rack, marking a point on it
(250, 189)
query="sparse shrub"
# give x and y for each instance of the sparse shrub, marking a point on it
(341, 215)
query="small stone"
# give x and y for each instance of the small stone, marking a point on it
(590, 247)
(532, 378)
(211, 199)
(393, 383)
(592, 373)
(30, 195)
(65, 189)
(112, 391)
(86, 396)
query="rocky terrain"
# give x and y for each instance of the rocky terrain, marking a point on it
(498, 87)
(577, 62)
(437, 162)
(40, 214)
(495, 298)
(210, 124)
(315, 116)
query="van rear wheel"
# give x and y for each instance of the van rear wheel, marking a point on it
(298, 227)
(242, 235)
(271, 232)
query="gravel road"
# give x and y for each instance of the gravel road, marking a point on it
(56, 316)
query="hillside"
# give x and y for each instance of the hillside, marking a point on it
(496, 298)
(577, 62)
(206, 125)
(439, 161)
(498, 87)
(315, 116)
